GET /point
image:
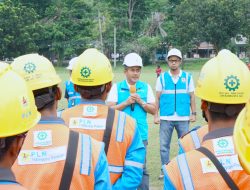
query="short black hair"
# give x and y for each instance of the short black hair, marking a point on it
(224, 111)
(91, 92)
(5, 144)
(45, 97)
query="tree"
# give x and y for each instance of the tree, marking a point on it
(19, 29)
(68, 26)
(208, 20)
(145, 46)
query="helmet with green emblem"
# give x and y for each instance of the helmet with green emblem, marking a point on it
(37, 70)
(92, 69)
(18, 112)
(224, 79)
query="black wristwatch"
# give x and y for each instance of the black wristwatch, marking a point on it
(193, 113)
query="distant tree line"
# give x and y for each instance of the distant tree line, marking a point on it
(60, 29)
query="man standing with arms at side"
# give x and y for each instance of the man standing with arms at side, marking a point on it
(174, 98)
(223, 87)
(135, 98)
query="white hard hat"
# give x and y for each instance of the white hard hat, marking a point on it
(132, 60)
(174, 52)
(71, 63)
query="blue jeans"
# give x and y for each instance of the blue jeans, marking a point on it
(166, 131)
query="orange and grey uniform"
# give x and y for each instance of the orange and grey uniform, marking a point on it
(126, 152)
(193, 170)
(192, 140)
(8, 181)
(41, 161)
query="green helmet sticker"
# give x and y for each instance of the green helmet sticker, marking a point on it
(232, 83)
(85, 72)
(29, 67)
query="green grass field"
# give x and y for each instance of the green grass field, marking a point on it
(153, 155)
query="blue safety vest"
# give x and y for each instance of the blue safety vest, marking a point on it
(175, 97)
(139, 114)
(74, 98)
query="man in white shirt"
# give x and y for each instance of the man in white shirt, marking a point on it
(135, 98)
(174, 98)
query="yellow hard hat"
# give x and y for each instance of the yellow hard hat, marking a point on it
(37, 70)
(242, 137)
(92, 69)
(224, 79)
(18, 112)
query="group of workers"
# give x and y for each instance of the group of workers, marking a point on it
(100, 140)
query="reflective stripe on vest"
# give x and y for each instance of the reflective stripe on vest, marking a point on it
(163, 81)
(185, 173)
(59, 113)
(187, 82)
(174, 91)
(195, 139)
(86, 155)
(120, 127)
(133, 163)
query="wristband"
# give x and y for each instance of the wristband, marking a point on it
(193, 113)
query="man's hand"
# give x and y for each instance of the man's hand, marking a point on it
(157, 119)
(192, 118)
(130, 100)
(136, 98)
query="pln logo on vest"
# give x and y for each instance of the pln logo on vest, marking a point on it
(90, 111)
(24, 157)
(183, 79)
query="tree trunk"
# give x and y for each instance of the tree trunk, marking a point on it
(131, 5)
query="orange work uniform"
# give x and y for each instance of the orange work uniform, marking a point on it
(126, 152)
(193, 170)
(192, 140)
(42, 158)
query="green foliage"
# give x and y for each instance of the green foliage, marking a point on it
(69, 26)
(61, 29)
(211, 20)
(18, 29)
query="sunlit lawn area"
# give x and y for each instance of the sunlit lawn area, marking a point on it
(153, 156)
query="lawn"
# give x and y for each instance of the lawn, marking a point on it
(148, 75)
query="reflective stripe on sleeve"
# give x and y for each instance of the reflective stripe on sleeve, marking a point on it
(86, 155)
(134, 164)
(185, 173)
(115, 169)
(120, 126)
